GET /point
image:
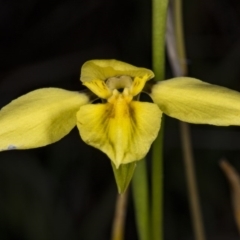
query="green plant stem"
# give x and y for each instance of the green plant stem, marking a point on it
(157, 188)
(159, 13)
(141, 200)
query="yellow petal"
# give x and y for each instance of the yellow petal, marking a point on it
(194, 101)
(99, 88)
(39, 118)
(104, 69)
(138, 85)
(124, 131)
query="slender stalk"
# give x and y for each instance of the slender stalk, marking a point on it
(192, 183)
(176, 50)
(119, 218)
(157, 188)
(141, 200)
(178, 26)
(159, 13)
(234, 181)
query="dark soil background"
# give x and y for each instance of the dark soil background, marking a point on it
(67, 190)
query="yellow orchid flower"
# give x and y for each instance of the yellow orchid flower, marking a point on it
(121, 126)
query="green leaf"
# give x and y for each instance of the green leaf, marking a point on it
(123, 175)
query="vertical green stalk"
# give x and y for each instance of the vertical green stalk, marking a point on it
(141, 200)
(159, 13)
(157, 188)
(140, 184)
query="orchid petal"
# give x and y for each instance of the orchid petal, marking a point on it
(195, 101)
(99, 88)
(39, 118)
(104, 69)
(138, 85)
(124, 131)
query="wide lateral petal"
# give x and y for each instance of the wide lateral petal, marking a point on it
(124, 131)
(39, 118)
(195, 101)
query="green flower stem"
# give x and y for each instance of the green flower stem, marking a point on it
(159, 13)
(157, 187)
(141, 200)
(140, 183)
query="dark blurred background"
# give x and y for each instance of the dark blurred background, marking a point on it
(67, 190)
